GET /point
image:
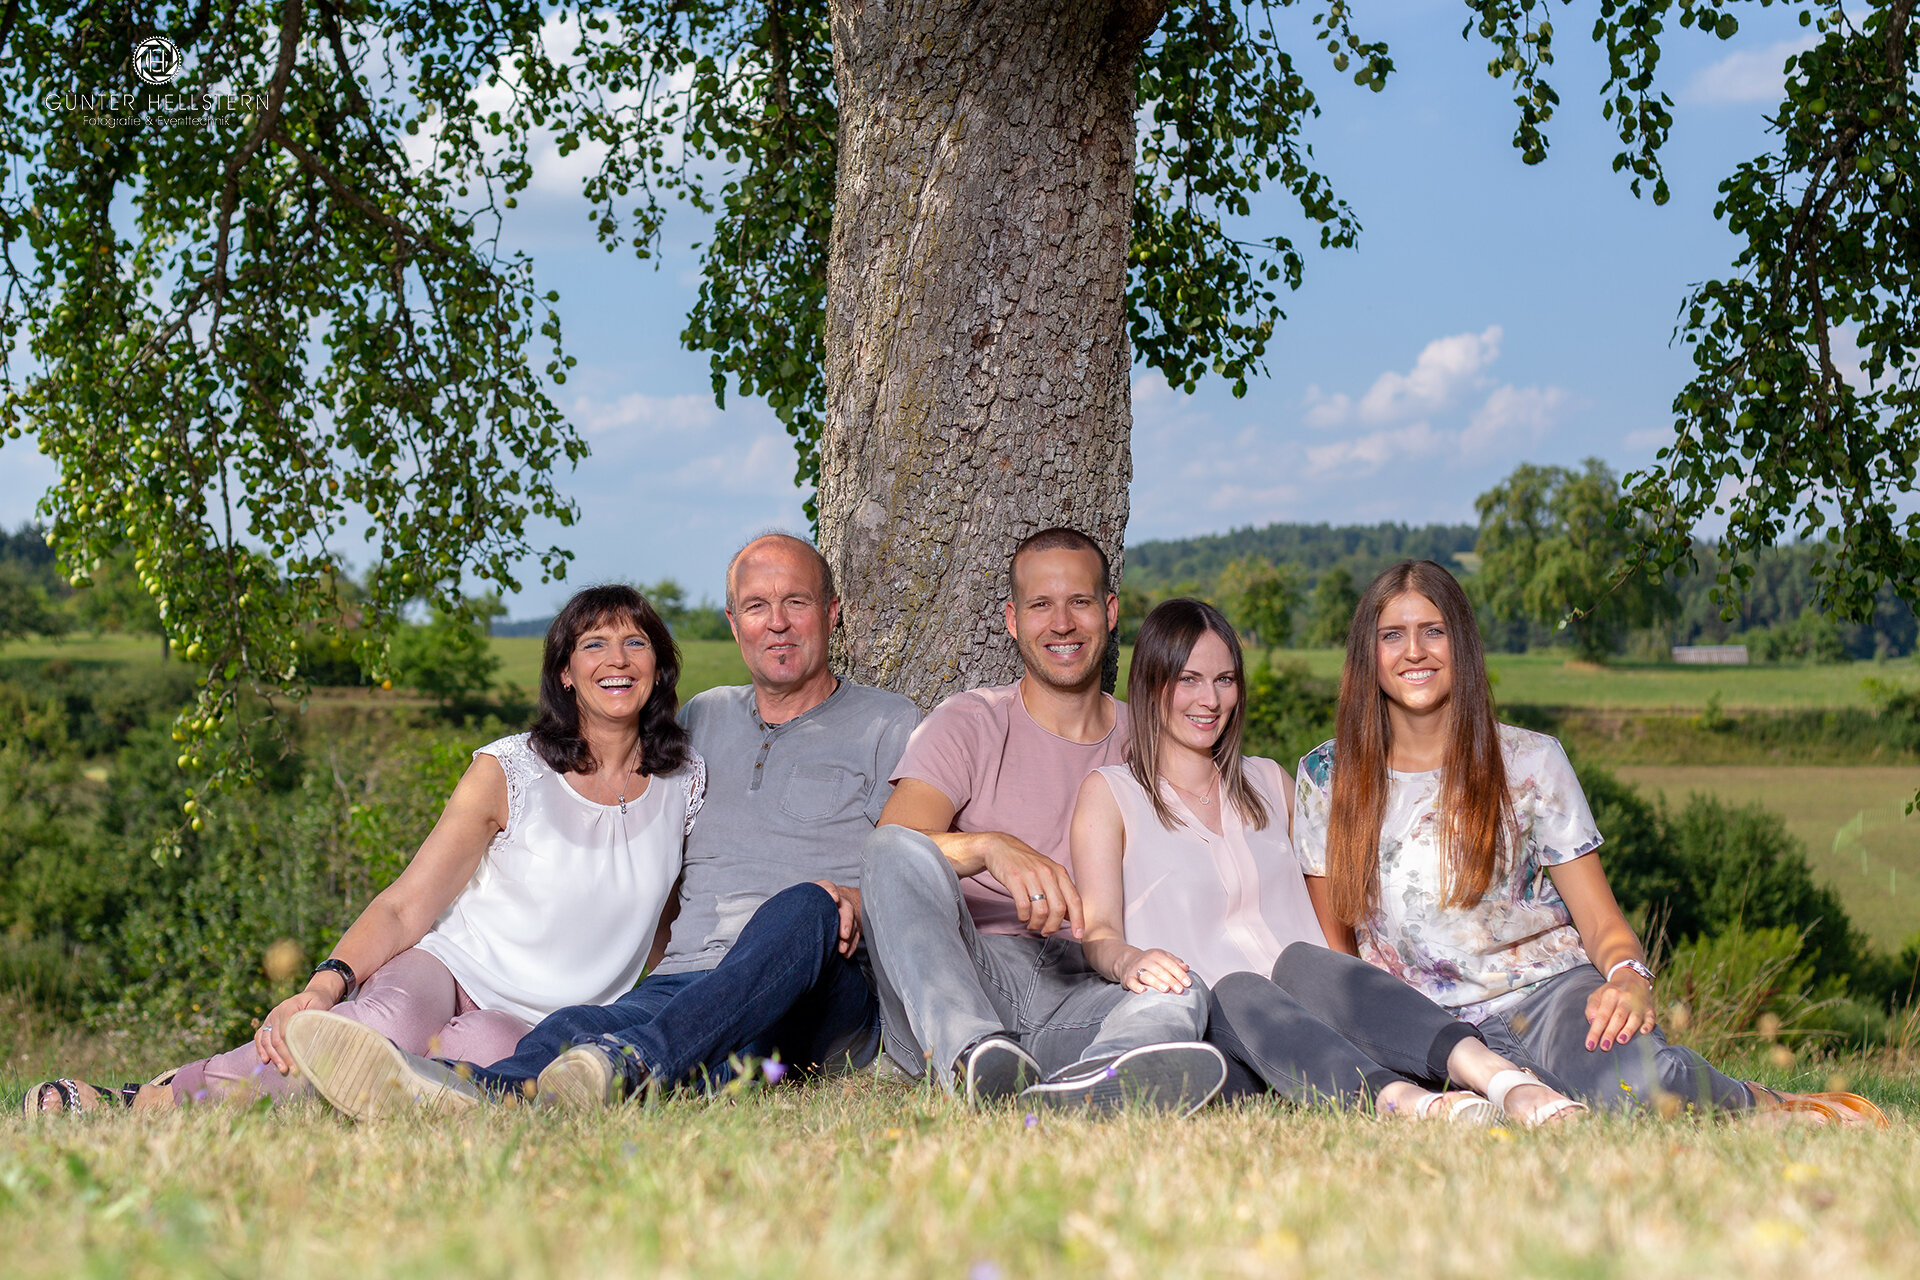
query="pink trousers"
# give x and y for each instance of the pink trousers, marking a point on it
(412, 1000)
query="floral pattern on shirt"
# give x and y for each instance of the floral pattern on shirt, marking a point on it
(1473, 960)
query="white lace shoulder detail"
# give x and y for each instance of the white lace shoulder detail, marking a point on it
(522, 764)
(695, 785)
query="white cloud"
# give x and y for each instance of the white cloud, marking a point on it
(1325, 410)
(1511, 411)
(1368, 453)
(643, 412)
(1445, 368)
(1649, 440)
(1753, 75)
(1258, 506)
(765, 468)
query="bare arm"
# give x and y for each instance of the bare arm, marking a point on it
(1624, 1006)
(1339, 933)
(1034, 879)
(663, 931)
(401, 914)
(1099, 841)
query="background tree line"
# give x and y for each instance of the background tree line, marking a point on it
(1548, 543)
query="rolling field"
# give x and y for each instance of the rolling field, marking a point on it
(1853, 820)
(704, 663)
(1549, 680)
(1536, 679)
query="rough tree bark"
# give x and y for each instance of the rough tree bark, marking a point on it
(977, 360)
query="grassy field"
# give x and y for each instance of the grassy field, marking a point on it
(704, 663)
(1550, 680)
(1537, 679)
(860, 1178)
(865, 1178)
(1853, 821)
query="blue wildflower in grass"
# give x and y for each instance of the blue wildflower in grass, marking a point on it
(983, 1270)
(774, 1071)
(1033, 1121)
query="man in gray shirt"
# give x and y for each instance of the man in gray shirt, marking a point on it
(764, 958)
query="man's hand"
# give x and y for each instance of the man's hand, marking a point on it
(1043, 892)
(848, 900)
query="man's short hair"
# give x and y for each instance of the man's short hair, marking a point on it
(1058, 538)
(827, 591)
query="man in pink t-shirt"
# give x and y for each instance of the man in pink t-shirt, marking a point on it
(971, 915)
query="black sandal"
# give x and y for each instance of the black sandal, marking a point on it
(68, 1091)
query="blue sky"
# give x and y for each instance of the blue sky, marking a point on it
(1493, 313)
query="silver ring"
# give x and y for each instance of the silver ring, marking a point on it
(1037, 897)
(266, 1030)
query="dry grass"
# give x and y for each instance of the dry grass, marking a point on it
(1852, 819)
(863, 1178)
(859, 1178)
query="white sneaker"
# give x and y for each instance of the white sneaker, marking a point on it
(1181, 1077)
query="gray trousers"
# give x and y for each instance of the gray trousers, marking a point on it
(943, 984)
(1547, 1030)
(1328, 1028)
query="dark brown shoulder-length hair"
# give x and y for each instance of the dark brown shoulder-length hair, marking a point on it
(556, 730)
(1478, 830)
(1160, 654)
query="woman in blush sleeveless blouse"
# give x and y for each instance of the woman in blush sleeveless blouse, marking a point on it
(1459, 855)
(1186, 872)
(541, 886)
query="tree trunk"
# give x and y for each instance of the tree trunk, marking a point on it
(976, 345)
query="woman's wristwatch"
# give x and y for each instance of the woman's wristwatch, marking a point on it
(1636, 966)
(341, 967)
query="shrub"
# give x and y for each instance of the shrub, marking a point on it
(450, 659)
(1289, 711)
(1721, 993)
(1713, 869)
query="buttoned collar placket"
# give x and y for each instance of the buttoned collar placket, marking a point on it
(769, 732)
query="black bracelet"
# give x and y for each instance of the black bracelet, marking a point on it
(341, 967)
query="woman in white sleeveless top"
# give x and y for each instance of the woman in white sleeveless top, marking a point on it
(540, 887)
(1186, 871)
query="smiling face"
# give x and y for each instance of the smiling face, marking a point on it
(779, 615)
(611, 671)
(1201, 699)
(1060, 618)
(1413, 656)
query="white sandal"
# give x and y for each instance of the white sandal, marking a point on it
(1469, 1110)
(1505, 1082)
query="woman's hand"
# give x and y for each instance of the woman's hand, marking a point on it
(270, 1042)
(1618, 1011)
(1155, 970)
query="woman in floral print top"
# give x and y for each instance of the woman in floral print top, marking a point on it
(1459, 854)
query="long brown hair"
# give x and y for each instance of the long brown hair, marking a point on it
(1160, 654)
(1478, 830)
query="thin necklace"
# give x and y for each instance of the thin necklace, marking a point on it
(627, 777)
(1205, 798)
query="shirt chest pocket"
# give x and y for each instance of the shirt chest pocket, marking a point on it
(816, 791)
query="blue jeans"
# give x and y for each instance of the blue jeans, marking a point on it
(783, 988)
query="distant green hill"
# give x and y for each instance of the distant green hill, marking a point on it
(1363, 550)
